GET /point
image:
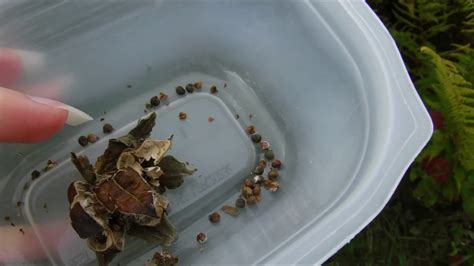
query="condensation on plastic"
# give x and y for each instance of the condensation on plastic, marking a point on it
(323, 80)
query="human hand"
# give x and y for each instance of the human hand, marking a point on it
(28, 119)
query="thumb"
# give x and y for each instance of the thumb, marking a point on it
(24, 120)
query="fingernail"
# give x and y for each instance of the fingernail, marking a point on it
(75, 116)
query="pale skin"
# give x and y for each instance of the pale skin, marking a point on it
(23, 120)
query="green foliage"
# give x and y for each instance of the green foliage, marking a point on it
(430, 220)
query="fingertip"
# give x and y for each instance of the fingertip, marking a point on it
(23, 120)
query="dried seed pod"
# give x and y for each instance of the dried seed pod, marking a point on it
(213, 89)
(273, 174)
(182, 115)
(276, 164)
(180, 90)
(269, 155)
(240, 203)
(250, 129)
(210, 119)
(201, 238)
(231, 210)
(155, 101)
(92, 138)
(107, 128)
(264, 145)
(214, 217)
(256, 138)
(83, 141)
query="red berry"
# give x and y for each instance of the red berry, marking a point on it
(438, 168)
(438, 120)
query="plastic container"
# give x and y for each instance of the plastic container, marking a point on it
(323, 81)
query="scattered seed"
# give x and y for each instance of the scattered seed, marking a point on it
(102, 119)
(214, 217)
(258, 179)
(50, 164)
(225, 85)
(237, 116)
(45, 206)
(35, 174)
(256, 138)
(26, 186)
(129, 86)
(201, 238)
(247, 192)
(12, 224)
(257, 190)
(107, 128)
(231, 210)
(7, 218)
(190, 88)
(240, 203)
(182, 116)
(276, 164)
(251, 200)
(273, 174)
(264, 145)
(180, 90)
(92, 138)
(258, 170)
(198, 85)
(19, 204)
(272, 186)
(250, 129)
(250, 116)
(248, 183)
(21, 231)
(82, 141)
(210, 119)
(262, 163)
(148, 106)
(213, 89)
(163, 96)
(155, 101)
(269, 155)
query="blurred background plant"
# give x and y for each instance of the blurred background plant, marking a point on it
(430, 219)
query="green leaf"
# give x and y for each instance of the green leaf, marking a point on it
(449, 191)
(427, 191)
(455, 94)
(467, 194)
(459, 176)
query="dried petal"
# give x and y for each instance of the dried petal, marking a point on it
(84, 167)
(164, 233)
(128, 193)
(107, 245)
(153, 149)
(128, 160)
(174, 171)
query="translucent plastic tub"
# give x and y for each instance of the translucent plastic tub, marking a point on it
(323, 82)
